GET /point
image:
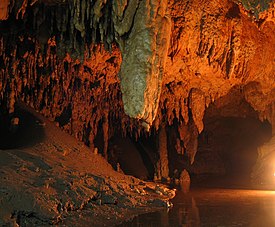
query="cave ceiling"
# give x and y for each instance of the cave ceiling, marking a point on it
(90, 63)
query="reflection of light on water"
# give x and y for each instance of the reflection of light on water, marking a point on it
(215, 207)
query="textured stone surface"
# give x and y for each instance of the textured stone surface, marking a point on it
(163, 162)
(185, 181)
(144, 51)
(4, 9)
(255, 7)
(264, 170)
(58, 181)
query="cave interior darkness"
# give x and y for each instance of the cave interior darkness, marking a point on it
(227, 147)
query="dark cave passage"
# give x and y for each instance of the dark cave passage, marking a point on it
(20, 129)
(228, 145)
(228, 148)
(135, 157)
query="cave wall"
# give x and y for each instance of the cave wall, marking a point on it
(216, 46)
(264, 170)
(4, 13)
(213, 48)
(84, 64)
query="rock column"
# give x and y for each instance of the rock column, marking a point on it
(163, 164)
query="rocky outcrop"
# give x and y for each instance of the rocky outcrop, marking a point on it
(264, 171)
(57, 180)
(214, 47)
(4, 9)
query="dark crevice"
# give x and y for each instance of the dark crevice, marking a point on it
(19, 130)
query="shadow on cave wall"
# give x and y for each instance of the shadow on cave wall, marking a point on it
(19, 130)
(135, 157)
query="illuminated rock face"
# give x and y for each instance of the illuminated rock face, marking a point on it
(216, 46)
(4, 9)
(264, 170)
(174, 58)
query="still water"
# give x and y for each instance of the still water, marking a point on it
(215, 207)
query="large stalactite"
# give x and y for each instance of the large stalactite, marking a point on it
(144, 47)
(173, 58)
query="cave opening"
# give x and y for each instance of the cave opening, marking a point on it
(227, 149)
(228, 145)
(135, 156)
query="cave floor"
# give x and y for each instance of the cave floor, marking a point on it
(215, 207)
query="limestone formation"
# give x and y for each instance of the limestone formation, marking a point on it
(4, 9)
(163, 163)
(185, 181)
(264, 169)
(174, 59)
(143, 37)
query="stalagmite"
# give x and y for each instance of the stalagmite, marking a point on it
(185, 181)
(265, 154)
(188, 134)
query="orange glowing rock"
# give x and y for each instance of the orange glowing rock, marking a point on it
(4, 9)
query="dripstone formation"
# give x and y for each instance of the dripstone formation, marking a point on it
(100, 68)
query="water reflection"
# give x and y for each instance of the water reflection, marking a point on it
(215, 207)
(189, 216)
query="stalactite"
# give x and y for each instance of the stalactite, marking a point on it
(49, 84)
(142, 69)
(188, 134)
(197, 107)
